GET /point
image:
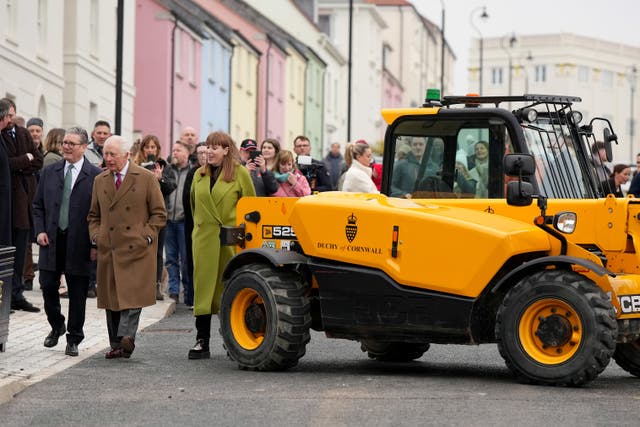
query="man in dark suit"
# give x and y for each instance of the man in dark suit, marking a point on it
(60, 211)
(5, 180)
(25, 160)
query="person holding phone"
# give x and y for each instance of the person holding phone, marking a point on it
(263, 179)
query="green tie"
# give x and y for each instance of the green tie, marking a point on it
(63, 222)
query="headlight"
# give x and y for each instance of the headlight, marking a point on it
(527, 115)
(565, 222)
(575, 117)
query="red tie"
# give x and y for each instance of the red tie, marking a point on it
(118, 180)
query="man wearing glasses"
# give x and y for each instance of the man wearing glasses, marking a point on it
(60, 210)
(314, 170)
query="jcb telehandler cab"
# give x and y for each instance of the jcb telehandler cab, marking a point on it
(454, 251)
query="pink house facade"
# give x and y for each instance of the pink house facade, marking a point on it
(167, 92)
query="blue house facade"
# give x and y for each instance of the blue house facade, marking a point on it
(216, 81)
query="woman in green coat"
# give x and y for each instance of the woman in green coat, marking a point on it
(215, 191)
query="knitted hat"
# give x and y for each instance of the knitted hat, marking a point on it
(35, 121)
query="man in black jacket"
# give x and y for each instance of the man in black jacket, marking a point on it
(314, 170)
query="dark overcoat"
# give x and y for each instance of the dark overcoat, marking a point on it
(23, 175)
(46, 214)
(120, 222)
(5, 196)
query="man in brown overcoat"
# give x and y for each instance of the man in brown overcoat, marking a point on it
(127, 211)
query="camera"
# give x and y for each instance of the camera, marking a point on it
(151, 162)
(309, 170)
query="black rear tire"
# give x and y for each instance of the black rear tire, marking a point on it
(393, 351)
(627, 356)
(265, 317)
(556, 327)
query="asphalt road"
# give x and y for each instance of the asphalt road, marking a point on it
(335, 384)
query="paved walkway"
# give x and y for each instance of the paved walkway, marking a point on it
(27, 361)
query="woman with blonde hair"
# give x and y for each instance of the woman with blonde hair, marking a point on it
(291, 183)
(53, 146)
(357, 179)
(216, 188)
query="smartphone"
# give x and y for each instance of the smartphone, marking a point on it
(253, 154)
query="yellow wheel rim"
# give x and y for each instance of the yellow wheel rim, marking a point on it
(550, 331)
(248, 336)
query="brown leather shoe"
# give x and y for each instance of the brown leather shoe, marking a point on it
(128, 344)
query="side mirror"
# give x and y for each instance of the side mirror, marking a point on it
(519, 165)
(519, 193)
(608, 137)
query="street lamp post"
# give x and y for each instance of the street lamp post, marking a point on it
(484, 16)
(442, 40)
(512, 41)
(632, 76)
(529, 58)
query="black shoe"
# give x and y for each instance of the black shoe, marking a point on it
(92, 292)
(28, 285)
(200, 350)
(175, 297)
(71, 350)
(24, 305)
(52, 339)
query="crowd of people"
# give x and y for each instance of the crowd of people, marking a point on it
(105, 211)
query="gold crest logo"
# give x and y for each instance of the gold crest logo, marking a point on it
(351, 229)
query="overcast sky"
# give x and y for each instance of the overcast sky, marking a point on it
(613, 20)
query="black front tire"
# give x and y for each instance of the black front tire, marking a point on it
(627, 356)
(393, 351)
(556, 327)
(265, 317)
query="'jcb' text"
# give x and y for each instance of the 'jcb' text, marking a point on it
(630, 303)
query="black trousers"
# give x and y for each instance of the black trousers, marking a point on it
(20, 240)
(159, 256)
(77, 287)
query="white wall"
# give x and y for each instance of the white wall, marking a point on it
(90, 63)
(30, 59)
(575, 65)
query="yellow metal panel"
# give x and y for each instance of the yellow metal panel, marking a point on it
(441, 248)
(391, 114)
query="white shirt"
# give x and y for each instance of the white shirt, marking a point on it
(358, 179)
(122, 173)
(77, 166)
